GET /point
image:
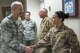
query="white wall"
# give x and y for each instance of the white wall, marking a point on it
(54, 5)
(33, 6)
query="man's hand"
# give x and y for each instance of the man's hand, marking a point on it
(29, 49)
(19, 19)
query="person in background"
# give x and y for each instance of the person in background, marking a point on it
(45, 26)
(30, 29)
(10, 29)
(61, 38)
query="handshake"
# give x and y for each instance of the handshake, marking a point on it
(29, 49)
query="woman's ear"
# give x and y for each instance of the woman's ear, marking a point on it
(61, 19)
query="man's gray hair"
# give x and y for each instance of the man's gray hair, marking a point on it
(15, 3)
(45, 10)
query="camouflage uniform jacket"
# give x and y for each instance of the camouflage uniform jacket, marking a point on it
(10, 36)
(30, 30)
(45, 26)
(61, 39)
(0, 39)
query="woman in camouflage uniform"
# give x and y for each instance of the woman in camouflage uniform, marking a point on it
(61, 38)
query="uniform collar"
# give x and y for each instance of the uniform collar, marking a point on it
(27, 21)
(60, 28)
(44, 19)
(11, 18)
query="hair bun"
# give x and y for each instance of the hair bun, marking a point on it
(66, 15)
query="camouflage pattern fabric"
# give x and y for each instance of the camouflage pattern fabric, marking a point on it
(61, 39)
(10, 32)
(45, 26)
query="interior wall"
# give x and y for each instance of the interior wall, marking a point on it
(33, 6)
(53, 5)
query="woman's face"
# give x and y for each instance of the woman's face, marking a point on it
(56, 20)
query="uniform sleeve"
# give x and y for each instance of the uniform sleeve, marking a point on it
(35, 28)
(9, 40)
(44, 42)
(49, 23)
(20, 31)
(73, 41)
(20, 28)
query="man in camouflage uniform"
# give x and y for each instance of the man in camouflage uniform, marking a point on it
(30, 29)
(45, 26)
(10, 31)
(61, 38)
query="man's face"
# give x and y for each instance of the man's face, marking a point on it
(18, 11)
(27, 16)
(42, 13)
